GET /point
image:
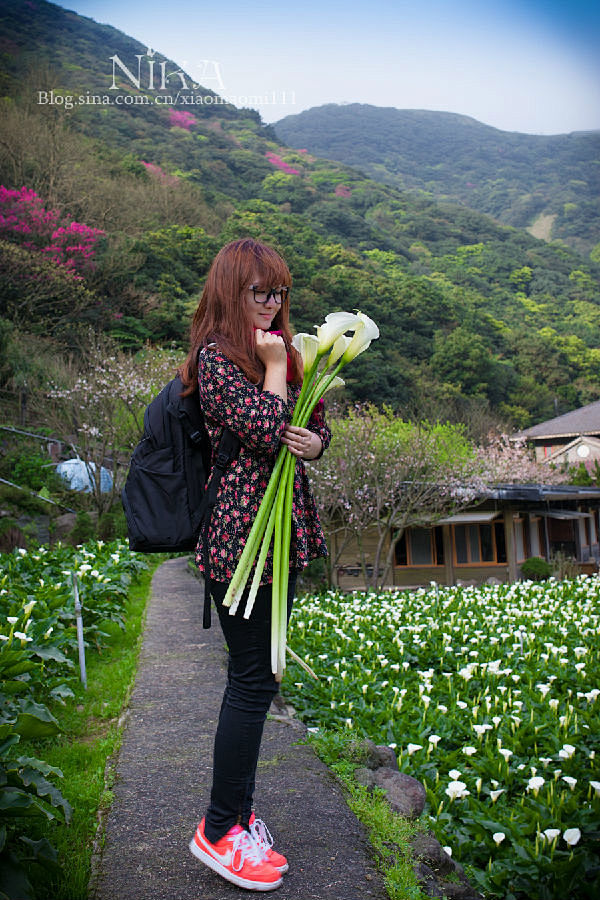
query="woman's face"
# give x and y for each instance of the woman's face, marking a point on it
(261, 315)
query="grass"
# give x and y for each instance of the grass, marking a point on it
(389, 833)
(91, 732)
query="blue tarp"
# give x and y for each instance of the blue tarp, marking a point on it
(79, 475)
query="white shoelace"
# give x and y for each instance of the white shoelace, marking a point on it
(261, 835)
(244, 844)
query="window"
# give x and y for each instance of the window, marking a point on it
(500, 538)
(520, 545)
(474, 544)
(535, 536)
(478, 543)
(420, 547)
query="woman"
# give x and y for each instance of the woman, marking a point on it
(249, 378)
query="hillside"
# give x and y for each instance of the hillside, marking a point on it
(548, 184)
(473, 315)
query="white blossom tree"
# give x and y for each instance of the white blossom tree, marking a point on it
(384, 474)
(102, 408)
(509, 460)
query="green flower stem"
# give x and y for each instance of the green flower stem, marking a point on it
(307, 382)
(260, 565)
(316, 393)
(242, 572)
(275, 603)
(281, 569)
(274, 522)
(285, 563)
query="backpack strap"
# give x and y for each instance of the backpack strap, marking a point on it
(229, 445)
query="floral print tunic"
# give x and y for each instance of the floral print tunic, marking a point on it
(258, 418)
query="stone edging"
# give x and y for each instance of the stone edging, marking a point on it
(406, 796)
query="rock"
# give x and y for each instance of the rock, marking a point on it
(63, 525)
(365, 776)
(453, 890)
(382, 756)
(362, 751)
(433, 865)
(427, 880)
(404, 793)
(428, 848)
(373, 755)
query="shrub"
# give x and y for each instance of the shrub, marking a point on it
(84, 529)
(112, 524)
(536, 569)
(35, 471)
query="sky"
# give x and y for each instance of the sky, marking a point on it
(518, 65)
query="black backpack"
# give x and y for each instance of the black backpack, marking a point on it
(166, 497)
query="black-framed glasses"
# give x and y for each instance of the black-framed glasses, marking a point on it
(261, 296)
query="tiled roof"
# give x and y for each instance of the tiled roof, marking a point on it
(585, 420)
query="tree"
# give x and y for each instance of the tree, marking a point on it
(40, 296)
(507, 460)
(25, 220)
(103, 406)
(386, 474)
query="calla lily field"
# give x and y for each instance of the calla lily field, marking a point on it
(490, 697)
(273, 520)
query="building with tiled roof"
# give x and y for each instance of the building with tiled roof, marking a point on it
(571, 438)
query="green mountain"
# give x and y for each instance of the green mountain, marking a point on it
(474, 316)
(549, 185)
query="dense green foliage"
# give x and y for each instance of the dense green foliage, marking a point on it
(520, 179)
(474, 316)
(38, 653)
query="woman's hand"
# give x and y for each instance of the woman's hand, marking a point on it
(302, 442)
(270, 348)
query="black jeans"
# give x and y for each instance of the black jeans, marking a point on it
(249, 691)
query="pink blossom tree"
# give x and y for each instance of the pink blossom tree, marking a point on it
(159, 173)
(342, 190)
(25, 220)
(280, 163)
(382, 475)
(181, 118)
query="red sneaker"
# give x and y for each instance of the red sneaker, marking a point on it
(236, 857)
(263, 838)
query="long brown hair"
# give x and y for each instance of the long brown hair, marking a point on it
(221, 314)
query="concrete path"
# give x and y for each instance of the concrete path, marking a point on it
(164, 776)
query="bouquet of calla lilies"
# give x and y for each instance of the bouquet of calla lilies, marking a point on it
(273, 521)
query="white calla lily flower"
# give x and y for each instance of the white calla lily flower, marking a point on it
(572, 836)
(307, 346)
(412, 748)
(333, 327)
(338, 349)
(551, 833)
(335, 383)
(366, 331)
(456, 790)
